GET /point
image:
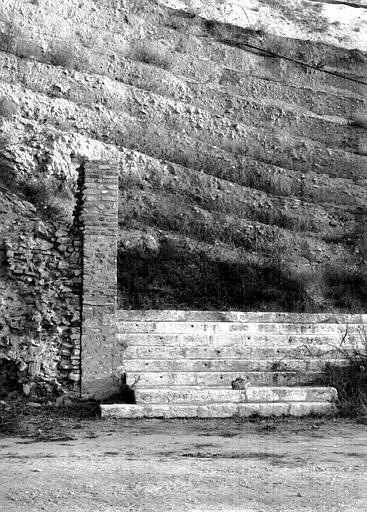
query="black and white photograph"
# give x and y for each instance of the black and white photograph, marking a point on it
(183, 255)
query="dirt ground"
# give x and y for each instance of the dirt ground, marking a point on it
(193, 465)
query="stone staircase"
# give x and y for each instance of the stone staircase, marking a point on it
(182, 364)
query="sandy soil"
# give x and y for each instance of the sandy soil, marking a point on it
(219, 465)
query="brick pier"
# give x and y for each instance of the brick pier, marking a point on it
(99, 224)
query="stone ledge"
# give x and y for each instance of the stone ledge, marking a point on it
(218, 410)
(195, 395)
(219, 379)
(237, 316)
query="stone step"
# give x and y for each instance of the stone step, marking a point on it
(243, 351)
(182, 395)
(228, 365)
(140, 380)
(228, 341)
(155, 315)
(226, 328)
(218, 410)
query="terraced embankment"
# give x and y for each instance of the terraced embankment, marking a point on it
(237, 161)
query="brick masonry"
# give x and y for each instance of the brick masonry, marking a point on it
(99, 225)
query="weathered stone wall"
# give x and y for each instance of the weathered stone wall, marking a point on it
(40, 283)
(99, 224)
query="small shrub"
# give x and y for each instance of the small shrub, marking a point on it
(152, 83)
(42, 196)
(236, 147)
(9, 377)
(5, 140)
(87, 39)
(362, 149)
(7, 108)
(65, 57)
(28, 50)
(58, 57)
(183, 45)
(350, 380)
(138, 6)
(212, 27)
(12, 41)
(150, 55)
(9, 37)
(48, 197)
(9, 418)
(346, 289)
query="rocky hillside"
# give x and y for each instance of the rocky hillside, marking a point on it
(242, 147)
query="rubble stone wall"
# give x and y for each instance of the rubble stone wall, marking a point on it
(40, 283)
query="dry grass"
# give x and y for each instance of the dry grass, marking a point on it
(137, 6)
(350, 380)
(9, 37)
(26, 49)
(362, 149)
(6, 140)
(182, 276)
(65, 56)
(46, 422)
(12, 41)
(346, 288)
(143, 51)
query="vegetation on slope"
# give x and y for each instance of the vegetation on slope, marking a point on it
(242, 174)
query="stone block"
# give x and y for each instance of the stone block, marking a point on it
(215, 410)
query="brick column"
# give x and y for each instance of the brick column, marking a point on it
(99, 225)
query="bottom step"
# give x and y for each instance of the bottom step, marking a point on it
(218, 410)
(191, 395)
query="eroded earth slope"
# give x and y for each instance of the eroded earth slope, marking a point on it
(242, 174)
